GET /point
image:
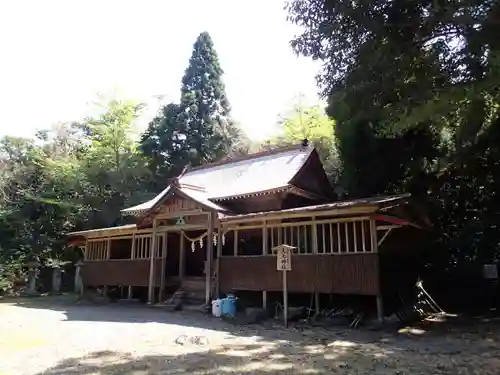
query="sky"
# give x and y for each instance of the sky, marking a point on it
(57, 56)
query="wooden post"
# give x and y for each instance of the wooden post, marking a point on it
(235, 242)
(264, 238)
(219, 254)
(108, 249)
(181, 256)
(285, 299)
(374, 248)
(264, 252)
(152, 265)
(315, 252)
(380, 309)
(210, 250)
(316, 303)
(129, 294)
(132, 251)
(163, 266)
(132, 255)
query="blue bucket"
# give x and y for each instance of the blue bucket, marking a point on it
(229, 306)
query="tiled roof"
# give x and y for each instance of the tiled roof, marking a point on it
(253, 174)
(148, 204)
(257, 173)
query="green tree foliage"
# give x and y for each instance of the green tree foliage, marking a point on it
(413, 86)
(311, 123)
(70, 177)
(115, 167)
(42, 200)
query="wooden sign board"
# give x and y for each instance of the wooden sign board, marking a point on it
(283, 257)
(284, 264)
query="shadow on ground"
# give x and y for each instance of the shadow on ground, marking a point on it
(448, 347)
(262, 358)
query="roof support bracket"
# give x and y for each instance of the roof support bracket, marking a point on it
(384, 236)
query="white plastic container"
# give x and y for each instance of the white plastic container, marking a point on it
(217, 308)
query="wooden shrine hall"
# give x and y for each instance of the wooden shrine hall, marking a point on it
(212, 229)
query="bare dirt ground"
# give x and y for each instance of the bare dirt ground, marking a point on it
(55, 338)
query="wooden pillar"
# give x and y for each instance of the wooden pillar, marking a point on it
(235, 242)
(264, 252)
(132, 255)
(374, 246)
(108, 249)
(182, 250)
(209, 257)
(219, 254)
(132, 250)
(163, 266)
(315, 252)
(151, 286)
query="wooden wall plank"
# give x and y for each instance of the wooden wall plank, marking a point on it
(118, 272)
(343, 274)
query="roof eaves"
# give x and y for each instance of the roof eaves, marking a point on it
(118, 228)
(254, 194)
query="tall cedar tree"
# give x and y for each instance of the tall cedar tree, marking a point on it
(204, 108)
(199, 129)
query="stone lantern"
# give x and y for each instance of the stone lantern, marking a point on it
(78, 277)
(56, 279)
(33, 266)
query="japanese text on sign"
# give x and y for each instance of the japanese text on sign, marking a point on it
(284, 259)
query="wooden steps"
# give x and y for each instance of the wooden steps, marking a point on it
(195, 290)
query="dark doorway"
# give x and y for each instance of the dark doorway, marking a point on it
(195, 260)
(173, 247)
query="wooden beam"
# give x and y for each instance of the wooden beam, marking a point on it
(170, 215)
(294, 214)
(383, 237)
(307, 194)
(297, 223)
(386, 227)
(115, 233)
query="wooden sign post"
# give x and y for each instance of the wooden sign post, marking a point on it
(284, 264)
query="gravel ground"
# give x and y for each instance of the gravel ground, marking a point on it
(72, 339)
